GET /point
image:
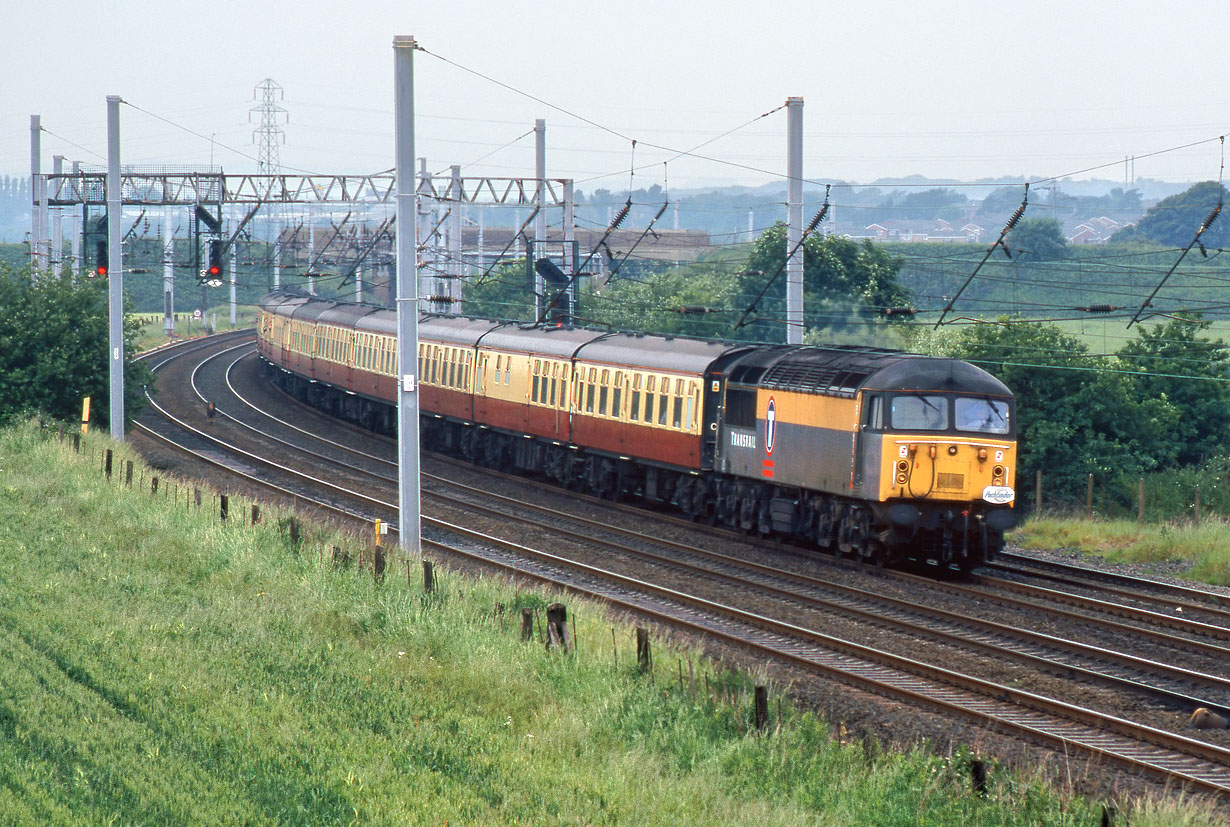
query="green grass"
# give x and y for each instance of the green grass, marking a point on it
(162, 667)
(152, 335)
(1203, 548)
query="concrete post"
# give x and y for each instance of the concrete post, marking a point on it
(794, 221)
(115, 267)
(409, 516)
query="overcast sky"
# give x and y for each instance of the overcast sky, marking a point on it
(958, 89)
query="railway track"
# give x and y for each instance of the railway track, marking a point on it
(1162, 754)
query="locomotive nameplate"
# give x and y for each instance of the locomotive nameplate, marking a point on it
(998, 494)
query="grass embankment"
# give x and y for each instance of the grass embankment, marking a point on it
(161, 667)
(152, 335)
(1204, 548)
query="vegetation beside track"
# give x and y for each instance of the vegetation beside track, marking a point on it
(164, 667)
(1200, 552)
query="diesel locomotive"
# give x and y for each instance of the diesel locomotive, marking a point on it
(871, 453)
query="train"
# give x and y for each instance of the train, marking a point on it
(874, 454)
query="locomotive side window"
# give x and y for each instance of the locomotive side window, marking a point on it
(985, 416)
(873, 417)
(920, 412)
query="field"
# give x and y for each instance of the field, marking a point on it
(164, 667)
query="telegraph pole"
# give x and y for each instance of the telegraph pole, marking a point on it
(409, 518)
(794, 221)
(115, 267)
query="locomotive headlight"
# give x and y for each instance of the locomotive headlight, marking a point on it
(902, 479)
(997, 472)
(982, 454)
(952, 450)
(903, 465)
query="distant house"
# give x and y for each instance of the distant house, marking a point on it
(1093, 231)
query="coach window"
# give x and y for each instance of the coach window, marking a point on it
(690, 407)
(634, 408)
(677, 419)
(617, 394)
(589, 390)
(508, 371)
(563, 388)
(664, 391)
(650, 382)
(603, 391)
(536, 381)
(554, 382)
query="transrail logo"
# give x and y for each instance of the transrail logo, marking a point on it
(770, 427)
(742, 440)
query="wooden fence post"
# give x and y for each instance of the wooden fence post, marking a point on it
(1140, 509)
(128, 473)
(378, 566)
(557, 627)
(153, 486)
(978, 776)
(429, 577)
(1038, 491)
(108, 465)
(762, 708)
(644, 657)
(1089, 499)
(527, 624)
(256, 513)
(196, 498)
(224, 507)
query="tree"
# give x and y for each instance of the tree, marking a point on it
(1038, 239)
(1076, 415)
(1173, 221)
(506, 292)
(1189, 372)
(840, 277)
(54, 343)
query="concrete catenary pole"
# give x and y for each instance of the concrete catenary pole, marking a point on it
(57, 221)
(794, 220)
(540, 201)
(115, 267)
(409, 517)
(76, 230)
(168, 271)
(234, 281)
(455, 268)
(36, 177)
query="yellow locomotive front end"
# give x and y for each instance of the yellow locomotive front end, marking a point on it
(941, 467)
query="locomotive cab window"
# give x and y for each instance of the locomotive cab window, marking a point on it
(983, 416)
(873, 413)
(920, 412)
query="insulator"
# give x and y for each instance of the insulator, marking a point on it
(1016, 216)
(621, 215)
(1099, 308)
(1209, 221)
(899, 311)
